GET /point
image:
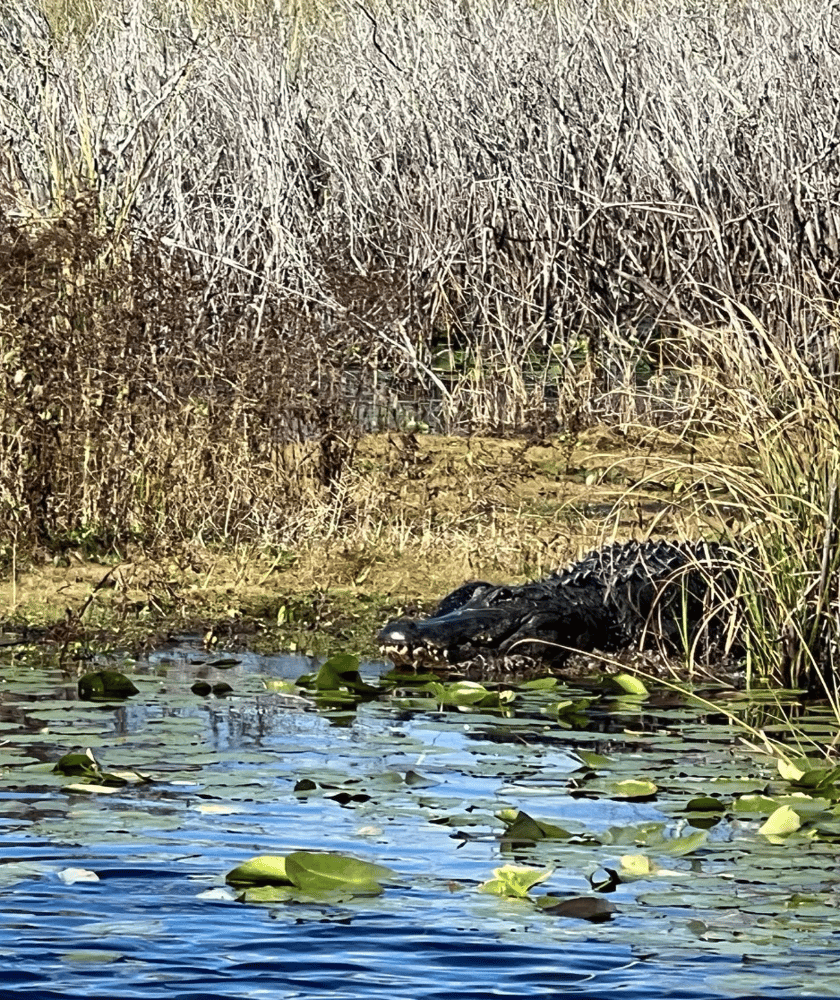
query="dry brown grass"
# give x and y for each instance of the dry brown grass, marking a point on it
(236, 236)
(513, 212)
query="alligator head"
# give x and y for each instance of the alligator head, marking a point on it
(480, 620)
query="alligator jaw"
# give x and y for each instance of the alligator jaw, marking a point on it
(442, 640)
(416, 656)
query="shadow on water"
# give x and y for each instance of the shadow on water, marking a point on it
(263, 770)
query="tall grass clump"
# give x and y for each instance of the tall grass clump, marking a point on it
(121, 422)
(780, 502)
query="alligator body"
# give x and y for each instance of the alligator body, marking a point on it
(676, 595)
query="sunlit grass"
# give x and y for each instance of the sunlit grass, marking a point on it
(779, 504)
(236, 234)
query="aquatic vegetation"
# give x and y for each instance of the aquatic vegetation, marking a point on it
(385, 815)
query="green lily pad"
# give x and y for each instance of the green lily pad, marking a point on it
(263, 870)
(782, 822)
(593, 760)
(704, 803)
(513, 881)
(522, 827)
(105, 685)
(310, 870)
(539, 684)
(629, 685)
(461, 693)
(637, 865)
(761, 804)
(340, 673)
(632, 789)
(78, 764)
(266, 894)
(678, 846)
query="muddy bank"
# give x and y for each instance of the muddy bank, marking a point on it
(416, 516)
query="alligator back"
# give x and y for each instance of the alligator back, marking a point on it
(675, 594)
(671, 591)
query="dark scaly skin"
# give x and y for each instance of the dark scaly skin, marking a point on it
(633, 593)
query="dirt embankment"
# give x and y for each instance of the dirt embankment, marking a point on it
(417, 516)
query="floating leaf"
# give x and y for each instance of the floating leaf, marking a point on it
(514, 882)
(417, 780)
(822, 779)
(782, 822)
(637, 865)
(341, 671)
(630, 789)
(90, 788)
(761, 804)
(593, 760)
(792, 771)
(522, 827)
(75, 764)
(639, 833)
(539, 684)
(592, 908)
(678, 846)
(310, 870)
(17, 757)
(265, 894)
(705, 803)
(461, 693)
(266, 869)
(629, 684)
(105, 685)
(828, 828)
(571, 706)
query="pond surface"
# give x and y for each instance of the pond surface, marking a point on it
(121, 893)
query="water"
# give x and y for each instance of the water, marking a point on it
(159, 921)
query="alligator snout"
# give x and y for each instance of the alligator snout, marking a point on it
(444, 639)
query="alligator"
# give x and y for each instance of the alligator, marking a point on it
(677, 596)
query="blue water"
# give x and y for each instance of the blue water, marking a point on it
(159, 922)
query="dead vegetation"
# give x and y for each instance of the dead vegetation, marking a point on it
(237, 237)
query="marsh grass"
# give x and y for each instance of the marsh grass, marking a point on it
(779, 504)
(235, 235)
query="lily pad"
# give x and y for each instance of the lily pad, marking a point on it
(705, 803)
(340, 674)
(592, 908)
(263, 870)
(782, 822)
(105, 685)
(628, 684)
(513, 881)
(311, 872)
(522, 827)
(631, 789)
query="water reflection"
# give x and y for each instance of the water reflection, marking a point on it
(264, 771)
